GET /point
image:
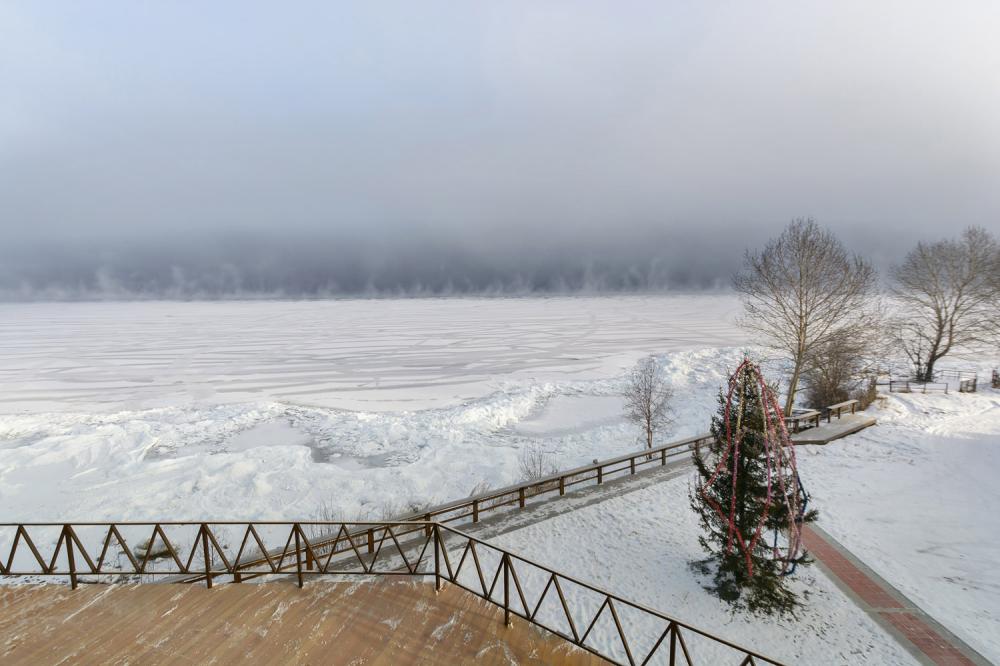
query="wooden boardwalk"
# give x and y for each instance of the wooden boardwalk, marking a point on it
(848, 424)
(361, 623)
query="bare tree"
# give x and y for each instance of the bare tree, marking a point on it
(647, 398)
(947, 294)
(804, 290)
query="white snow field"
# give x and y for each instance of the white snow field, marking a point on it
(370, 355)
(361, 409)
(195, 410)
(916, 499)
(640, 545)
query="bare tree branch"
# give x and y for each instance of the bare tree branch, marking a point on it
(802, 291)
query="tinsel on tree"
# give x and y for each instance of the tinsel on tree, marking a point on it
(748, 498)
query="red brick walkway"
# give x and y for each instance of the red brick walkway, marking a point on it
(887, 605)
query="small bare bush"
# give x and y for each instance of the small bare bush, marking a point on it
(839, 370)
(481, 487)
(536, 463)
(867, 392)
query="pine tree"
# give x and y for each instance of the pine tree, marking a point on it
(750, 576)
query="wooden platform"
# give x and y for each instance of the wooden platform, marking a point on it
(848, 424)
(382, 622)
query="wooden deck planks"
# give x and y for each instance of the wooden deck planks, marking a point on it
(381, 622)
(848, 424)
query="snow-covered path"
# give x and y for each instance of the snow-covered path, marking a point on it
(641, 545)
(916, 499)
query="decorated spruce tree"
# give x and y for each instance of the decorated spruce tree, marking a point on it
(748, 498)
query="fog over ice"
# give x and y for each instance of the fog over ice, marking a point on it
(317, 149)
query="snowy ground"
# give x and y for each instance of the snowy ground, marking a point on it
(640, 546)
(360, 409)
(541, 371)
(370, 355)
(916, 499)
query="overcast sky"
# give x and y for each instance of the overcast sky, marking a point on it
(495, 138)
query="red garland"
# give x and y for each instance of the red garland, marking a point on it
(780, 453)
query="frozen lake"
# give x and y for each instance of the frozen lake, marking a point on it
(343, 408)
(353, 354)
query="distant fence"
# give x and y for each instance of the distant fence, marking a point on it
(967, 380)
(912, 386)
(620, 631)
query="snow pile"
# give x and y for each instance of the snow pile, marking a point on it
(278, 461)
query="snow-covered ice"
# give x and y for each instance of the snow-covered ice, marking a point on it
(370, 355)
(76, 444)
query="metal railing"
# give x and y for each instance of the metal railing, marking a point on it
(912, 386)
(605, 624)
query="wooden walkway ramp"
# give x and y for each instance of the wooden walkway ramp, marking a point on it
(361, 623)
(848, 424)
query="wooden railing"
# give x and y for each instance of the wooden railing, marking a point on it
(474, 507)
(802, 420)
(811, 418)
(630, 633)
(840, 407)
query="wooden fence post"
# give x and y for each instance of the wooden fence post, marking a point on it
(204, 548)
(68, 535)
(298, 554)
(437, 561)
(506, 589)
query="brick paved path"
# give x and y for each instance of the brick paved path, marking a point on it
(924, 637)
